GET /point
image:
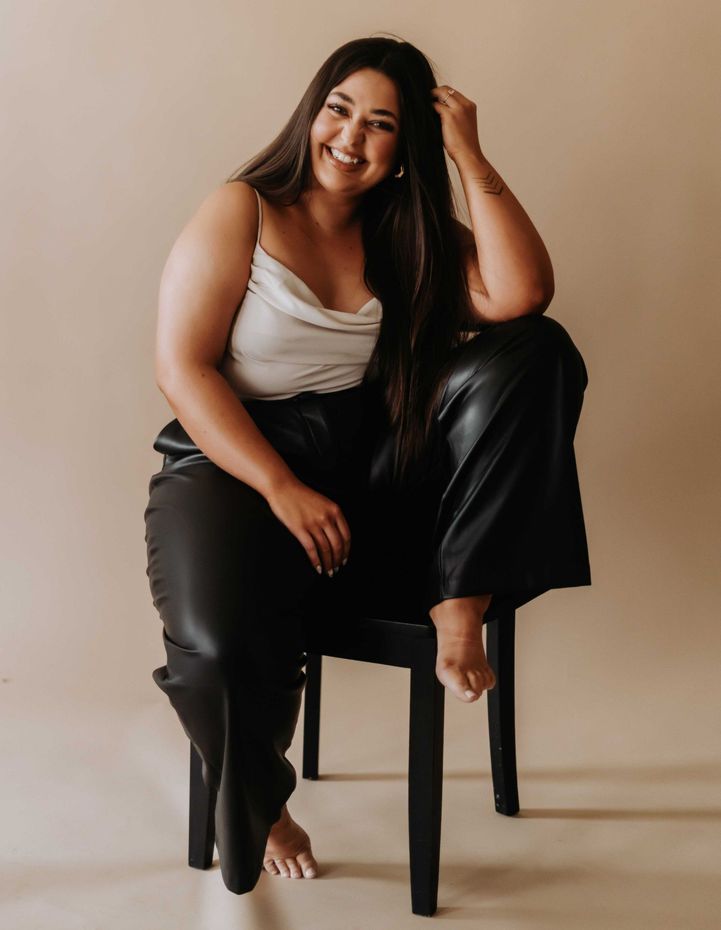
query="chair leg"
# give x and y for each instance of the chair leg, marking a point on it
(500, 642)
(311, 715)
(201, 836)
(425, 780)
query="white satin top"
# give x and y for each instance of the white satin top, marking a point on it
(283, 340)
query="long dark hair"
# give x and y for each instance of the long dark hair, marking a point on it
(413, 252)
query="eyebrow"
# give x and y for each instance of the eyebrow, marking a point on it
(339, 93)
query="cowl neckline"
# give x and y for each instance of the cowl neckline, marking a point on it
(371, 310)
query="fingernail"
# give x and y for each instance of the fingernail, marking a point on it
(470, 693)
(344, 561)
(330, 572)
(319, 569)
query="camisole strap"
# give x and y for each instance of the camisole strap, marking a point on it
(260, 216)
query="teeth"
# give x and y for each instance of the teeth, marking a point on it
(344, 158)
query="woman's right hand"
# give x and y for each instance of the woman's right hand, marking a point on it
(316, 521)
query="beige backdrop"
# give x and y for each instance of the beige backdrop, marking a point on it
(118, 118)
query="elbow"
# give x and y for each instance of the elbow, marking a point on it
(162, 381)
(529, 304)
(534, 298)
(540, 292)
(544, 292)
(173, 378)
(538, 299)
(540, 302)
(167, 379)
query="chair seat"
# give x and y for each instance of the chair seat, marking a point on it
(370, 639)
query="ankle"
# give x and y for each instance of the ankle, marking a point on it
(284, 817)
(460, 615)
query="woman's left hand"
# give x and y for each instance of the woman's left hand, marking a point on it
(458, 122)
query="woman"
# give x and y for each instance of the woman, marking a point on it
(333, 416)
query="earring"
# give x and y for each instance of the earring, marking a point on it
(400, 173)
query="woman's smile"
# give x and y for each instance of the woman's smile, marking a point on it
(340, 165)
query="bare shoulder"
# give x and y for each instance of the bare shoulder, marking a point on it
(234, 192)
(217, 241)
(205, 278)
(232, 207)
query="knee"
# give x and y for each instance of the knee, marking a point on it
(256, 655)
(551, 340)
(209, 661)
(527, 347)
(535, 336)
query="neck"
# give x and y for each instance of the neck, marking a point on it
(328, 212)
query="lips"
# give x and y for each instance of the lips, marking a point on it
(343, 166)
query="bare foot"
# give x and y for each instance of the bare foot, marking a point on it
(288, 851)
(461, 664)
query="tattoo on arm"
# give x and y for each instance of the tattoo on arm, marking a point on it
(491, 183)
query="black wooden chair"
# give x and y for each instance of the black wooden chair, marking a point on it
(412, 646)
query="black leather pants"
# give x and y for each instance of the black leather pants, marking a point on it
(496, 509)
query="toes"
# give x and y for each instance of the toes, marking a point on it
(457, 682)
(477, 682)
(295, 871)
(307, 864)
(482, 679)
(284, 870)
(271, 867)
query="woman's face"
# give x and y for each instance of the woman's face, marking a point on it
(356, 127)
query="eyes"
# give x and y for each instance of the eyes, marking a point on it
(381, 123)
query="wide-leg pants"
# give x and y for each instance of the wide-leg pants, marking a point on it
(494, 508)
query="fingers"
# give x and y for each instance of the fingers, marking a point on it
(324, 550)
(343, 531)
(328, 544)
(311, 547)
(318, 523)
(445, 94)
(332, 545)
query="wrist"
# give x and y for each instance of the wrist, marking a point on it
(472, 160)
(278, 483)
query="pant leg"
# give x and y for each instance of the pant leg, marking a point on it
(235, 589)
(232, 636)
(499, 510)
(510, 519)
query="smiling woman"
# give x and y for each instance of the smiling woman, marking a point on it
(337, 213)
(332, 417)
(351, 132)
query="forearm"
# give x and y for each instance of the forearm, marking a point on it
(513, 261)
(218, 423)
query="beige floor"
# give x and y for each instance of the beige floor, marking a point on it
(95, 817)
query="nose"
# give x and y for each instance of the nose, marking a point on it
(351, 135)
